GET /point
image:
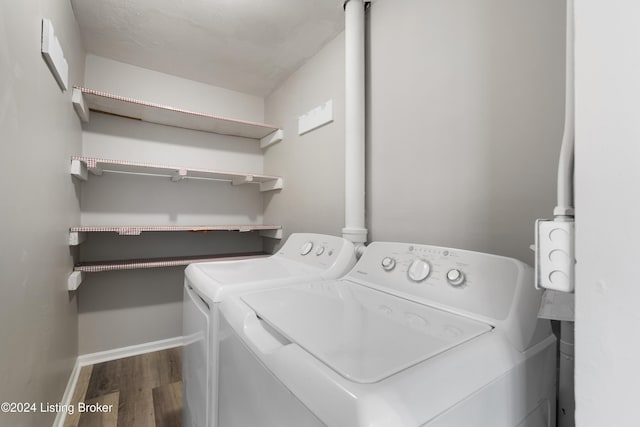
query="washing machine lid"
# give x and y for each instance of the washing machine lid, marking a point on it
(251, 270)
(363, 334)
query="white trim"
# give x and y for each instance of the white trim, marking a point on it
(105, 356)
(68, 393)
(133, 350)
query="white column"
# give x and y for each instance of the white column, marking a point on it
(354, 228)
(607, 204)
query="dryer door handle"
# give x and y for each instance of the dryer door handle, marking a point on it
(197, 299)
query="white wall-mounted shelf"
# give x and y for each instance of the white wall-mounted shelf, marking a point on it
(77, 235)
(85, 100)
(77, 276)
(81, 166)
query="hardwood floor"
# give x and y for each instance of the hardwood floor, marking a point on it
(143, 391)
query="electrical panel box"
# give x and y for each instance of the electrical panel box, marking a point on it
(555, 255)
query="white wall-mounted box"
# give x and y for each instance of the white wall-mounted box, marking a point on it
(53, 54)
(315, 118)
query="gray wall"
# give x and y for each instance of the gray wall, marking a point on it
(39, 131)
(124, 308)
(465, 115)
(465, 120)
(312, 164)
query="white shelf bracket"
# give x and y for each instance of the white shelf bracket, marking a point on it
(92, 165)
(182, 174)
(274, 184)
(79, 170)
(272, 138)
(129, 231)
(75, 278)
(76, 238)
(242, 180)
(271, 234)
(77, 98)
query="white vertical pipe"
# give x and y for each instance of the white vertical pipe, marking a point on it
(565, 166)
(354, 215)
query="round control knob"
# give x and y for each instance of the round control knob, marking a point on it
(455, 277)
(388, 263)
(419, 270)
(306, 248)
(320, 250)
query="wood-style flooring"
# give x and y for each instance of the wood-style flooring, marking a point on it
(145, 391)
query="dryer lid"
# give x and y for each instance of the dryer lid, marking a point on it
(252, 270)
(363, 334)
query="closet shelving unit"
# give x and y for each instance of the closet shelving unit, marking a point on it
(87, 100)
(81, 166)
(79, 270)
(76, 234)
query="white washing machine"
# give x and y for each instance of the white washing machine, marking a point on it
(303, 257)
(414, 335)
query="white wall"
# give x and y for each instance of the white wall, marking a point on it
(465, 121)
(607, 210)
(119, 309)
(312, 164)
(147, 85)
(39, 131)
(125, 199)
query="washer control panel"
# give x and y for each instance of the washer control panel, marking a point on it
(455, 277)
(419, 270)
(388, 263)
(467, 281)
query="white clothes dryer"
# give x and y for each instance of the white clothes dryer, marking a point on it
(303, 257)
(414, 335)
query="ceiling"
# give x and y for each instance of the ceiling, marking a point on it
(245, 45)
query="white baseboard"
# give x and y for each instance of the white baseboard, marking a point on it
(105, 356)
(68, 393)
(132, 350)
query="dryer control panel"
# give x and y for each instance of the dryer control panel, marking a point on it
(463, 281)
(319, 250)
